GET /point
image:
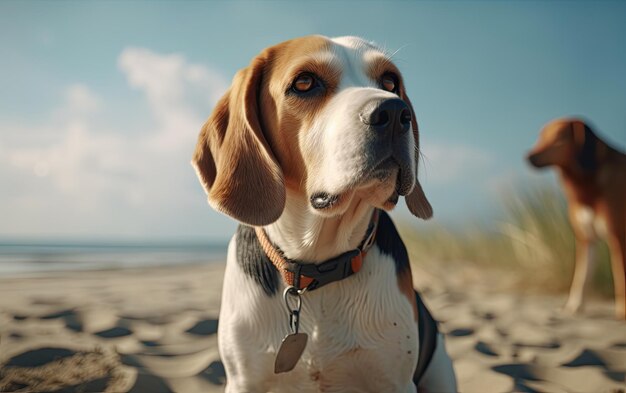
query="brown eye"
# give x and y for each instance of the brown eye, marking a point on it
(304, 83)
(389, 82)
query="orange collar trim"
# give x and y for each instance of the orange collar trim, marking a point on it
(312, 276)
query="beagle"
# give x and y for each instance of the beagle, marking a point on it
(593, 175)
(310, 146)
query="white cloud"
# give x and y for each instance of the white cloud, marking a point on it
(172, 87)
(73, 174)
(81, 100)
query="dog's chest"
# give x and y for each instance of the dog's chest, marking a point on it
(589, 223)
(362, 333)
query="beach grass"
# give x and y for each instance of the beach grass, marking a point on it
(531, 242)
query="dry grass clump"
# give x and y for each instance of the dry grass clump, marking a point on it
(533, 241)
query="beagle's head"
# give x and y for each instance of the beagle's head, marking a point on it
(325, 120)
(566, 143)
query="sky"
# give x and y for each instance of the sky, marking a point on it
(101, 102)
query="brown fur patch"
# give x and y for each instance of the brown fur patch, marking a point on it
(235, 165)
(381, 65)
(286, 116)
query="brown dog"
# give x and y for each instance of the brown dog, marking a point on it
(593, 175)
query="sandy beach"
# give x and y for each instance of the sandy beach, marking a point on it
(154, 330)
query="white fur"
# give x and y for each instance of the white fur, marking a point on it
(591, 227)
(591, 224)
(582, 269)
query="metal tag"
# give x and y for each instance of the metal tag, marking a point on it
(290, 352)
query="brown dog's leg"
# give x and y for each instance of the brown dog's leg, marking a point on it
(584, 262)
(617, 244)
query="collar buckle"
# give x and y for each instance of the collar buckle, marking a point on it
(334, 269)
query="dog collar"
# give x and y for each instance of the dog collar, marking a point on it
(312, 276)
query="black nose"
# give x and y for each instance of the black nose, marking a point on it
(533, 159)
(391, 115)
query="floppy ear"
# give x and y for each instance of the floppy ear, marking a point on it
(585, 141)
(233, 160)
(416, 200)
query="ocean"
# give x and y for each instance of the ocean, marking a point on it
(23, 258)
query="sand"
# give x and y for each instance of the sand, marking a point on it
(154, 330)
